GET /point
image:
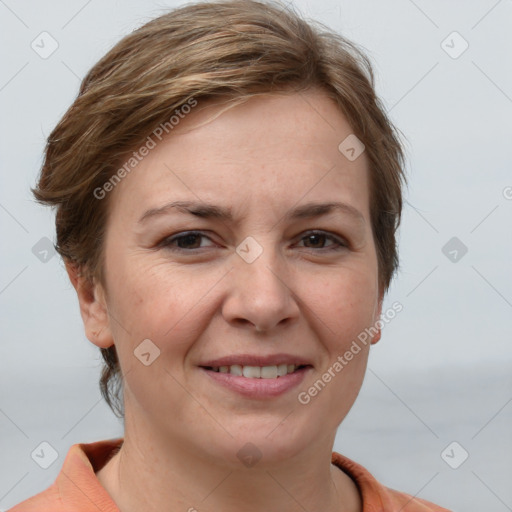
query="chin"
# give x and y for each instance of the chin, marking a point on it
(264, 443)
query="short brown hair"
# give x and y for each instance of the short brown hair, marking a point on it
(229, 50)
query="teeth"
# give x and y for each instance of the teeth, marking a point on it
(257, 372)
(282, 369)
(235, 369)
(269, 372)
(252, 372)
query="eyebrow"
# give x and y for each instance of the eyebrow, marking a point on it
(211, 211)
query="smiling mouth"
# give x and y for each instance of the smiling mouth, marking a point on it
(258, 372)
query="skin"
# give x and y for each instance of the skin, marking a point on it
(182, 432)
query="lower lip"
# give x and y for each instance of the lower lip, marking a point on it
(259, 388)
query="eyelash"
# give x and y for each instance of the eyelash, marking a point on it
(167, 242)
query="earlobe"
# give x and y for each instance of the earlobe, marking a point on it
(93, 307)
(377, 322)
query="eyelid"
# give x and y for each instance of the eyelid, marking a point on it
(166, 242)
(339, 240)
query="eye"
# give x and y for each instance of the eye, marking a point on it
(186, 241)
(191, 241)
(317, 239)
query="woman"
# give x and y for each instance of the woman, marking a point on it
(228, 189)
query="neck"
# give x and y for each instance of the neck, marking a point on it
(150, 477)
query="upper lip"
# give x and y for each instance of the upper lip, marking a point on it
(256, 360)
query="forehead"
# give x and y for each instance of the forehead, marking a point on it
(273, 152)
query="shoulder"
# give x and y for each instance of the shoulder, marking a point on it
(377, 497)
(76, 488)
(407, 503)
(46, 500)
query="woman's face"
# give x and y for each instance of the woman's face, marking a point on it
(267, 283)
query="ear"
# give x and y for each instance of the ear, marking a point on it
(93, 307)
(378, 313)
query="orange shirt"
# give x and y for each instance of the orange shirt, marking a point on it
(77, 489)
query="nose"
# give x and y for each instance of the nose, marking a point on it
(260, 294)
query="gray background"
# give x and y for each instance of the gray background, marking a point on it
(442, 370)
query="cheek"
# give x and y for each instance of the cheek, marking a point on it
(345, 303)
(162, 303)
(344, 306)
(164, 307)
